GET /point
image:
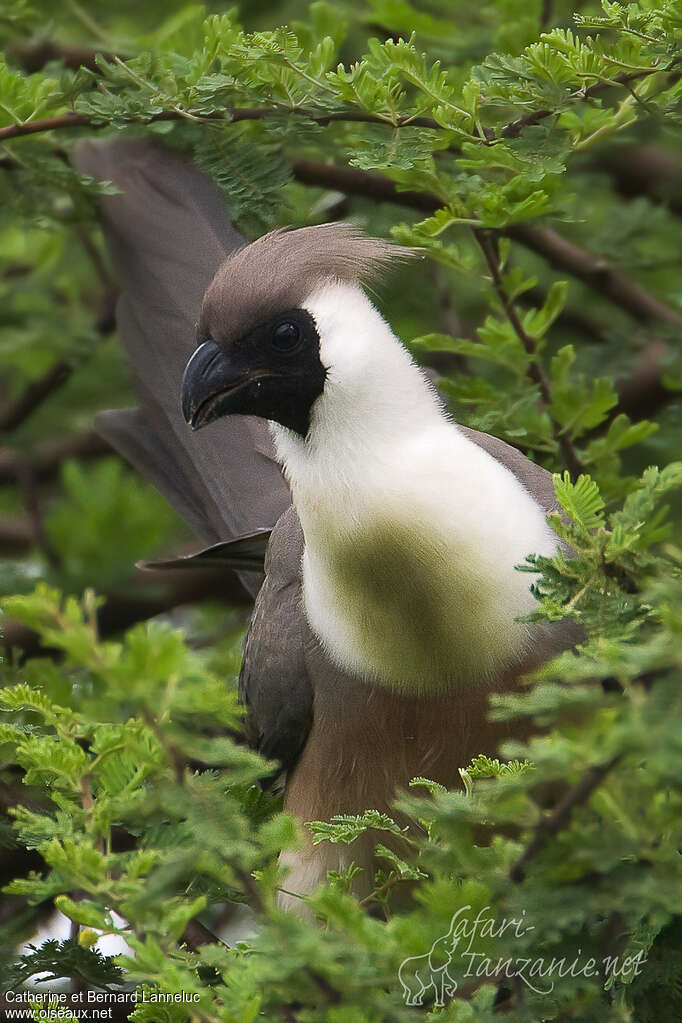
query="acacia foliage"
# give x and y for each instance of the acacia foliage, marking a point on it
(502, 140)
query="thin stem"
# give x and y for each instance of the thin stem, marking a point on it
(376, 895)
(535, 370)
(88, 21)
(35, 394)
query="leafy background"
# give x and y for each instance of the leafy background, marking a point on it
(533, 151)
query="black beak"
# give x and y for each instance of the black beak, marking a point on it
(210, 377)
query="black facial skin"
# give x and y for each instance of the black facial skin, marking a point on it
(273, 372)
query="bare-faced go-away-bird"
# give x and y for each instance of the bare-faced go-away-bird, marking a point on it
(285, 421)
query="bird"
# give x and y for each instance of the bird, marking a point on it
(294, 432)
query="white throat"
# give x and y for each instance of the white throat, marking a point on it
(412, 532)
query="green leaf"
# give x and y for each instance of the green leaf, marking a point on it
(345, 828)
(581, 500)
(83, 912)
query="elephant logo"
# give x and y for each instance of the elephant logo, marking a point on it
(420, 974)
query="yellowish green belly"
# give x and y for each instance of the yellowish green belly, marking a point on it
(419, 614)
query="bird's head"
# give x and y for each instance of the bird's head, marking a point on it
(262, 351)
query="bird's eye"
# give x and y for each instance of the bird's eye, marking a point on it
(285, 336)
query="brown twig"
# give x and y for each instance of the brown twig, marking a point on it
(39, 390)
(646, 170)
(639, 395)
(75, 120)
(378, 893)
(70, 120)
(511, 130)
(514, 128)
(251, 889)
(195, 935)
(34, 56)
(87, 802)
(330, 993)
(341, 178)
(32, 502)
(643, 392)
(561, 816)
(546, 13)
(95, 257)
(535, 371)
(596, 273)
(34, 395)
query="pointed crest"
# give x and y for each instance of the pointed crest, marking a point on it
(280, 270)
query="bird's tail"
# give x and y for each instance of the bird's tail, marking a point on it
(167, 232)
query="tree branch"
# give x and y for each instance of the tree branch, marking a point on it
(646, 170)
(35, 394)
(561, 816)
(70, 120)
(33, 504)
(39, 390)
(34, 56)
(74, 120)
(643, 393)
(195, 935)
(367, 184)
(546, 14)
(514, 128)
(597, 274)
(511, 130)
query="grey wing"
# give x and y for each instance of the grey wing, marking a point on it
(130, 433)
(274, 683)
